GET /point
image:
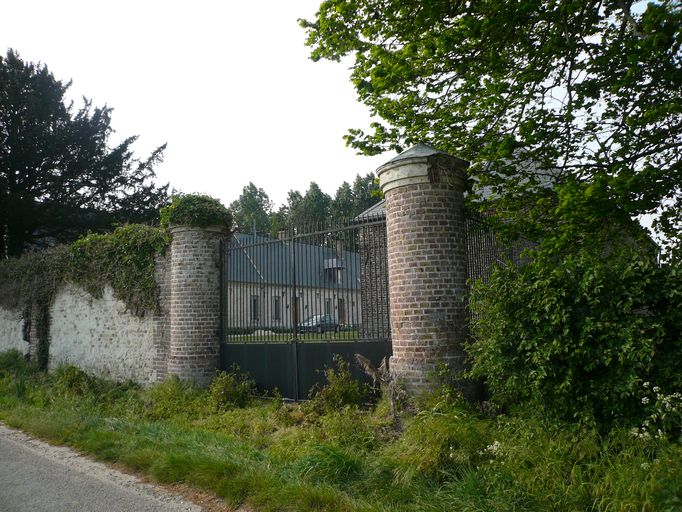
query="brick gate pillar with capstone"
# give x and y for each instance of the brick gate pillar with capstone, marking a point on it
(427, 263)
(194, 303)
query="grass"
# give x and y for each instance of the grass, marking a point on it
(277, 456)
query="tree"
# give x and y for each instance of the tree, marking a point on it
(352, 201)
(342, 204)
(59, 177)
(251, 211)
(310, 209)
(588, 91)
(365, 192)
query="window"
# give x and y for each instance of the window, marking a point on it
(277, 308)
(327, 306)
(254, 308)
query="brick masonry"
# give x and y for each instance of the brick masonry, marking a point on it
(194, 303)
(427, 265)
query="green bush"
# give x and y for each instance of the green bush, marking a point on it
(195, 210)
(578, 334)
(439, 441)
(231, 389)
(11, 362)
(340, 390)
(71, 381)
(172, 398)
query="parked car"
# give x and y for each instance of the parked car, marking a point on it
(319, 324)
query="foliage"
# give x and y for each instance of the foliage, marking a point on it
(447, 458)
(231, 389)
(124, 259)
(329, 463)
(171, 398)
(195, 210)
(340, 390)
(352, 201)
(59, 177)
(578, 333)
(309, 209)
(533, 93)
(11, 361)
(251, 210)
(443, 439)
(32, 279)
(70, 380)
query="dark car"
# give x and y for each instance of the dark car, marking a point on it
(319, 323)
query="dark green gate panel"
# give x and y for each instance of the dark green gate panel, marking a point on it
(270, 365)
(294, 368)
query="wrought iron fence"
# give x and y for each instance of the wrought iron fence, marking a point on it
(485, 248)
(294, 301)
(325, 282)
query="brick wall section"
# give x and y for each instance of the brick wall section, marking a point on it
(194, 303)
(427, 262)
(427, 265)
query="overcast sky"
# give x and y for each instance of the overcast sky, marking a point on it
(228, 85)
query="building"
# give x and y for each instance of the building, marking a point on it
(274, 284)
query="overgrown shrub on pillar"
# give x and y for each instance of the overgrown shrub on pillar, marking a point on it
(424, 191)
(197, 224)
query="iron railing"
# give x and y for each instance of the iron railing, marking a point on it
(324, 282)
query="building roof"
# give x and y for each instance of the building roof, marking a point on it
(417, 151)
(377, 210)
(264, 260)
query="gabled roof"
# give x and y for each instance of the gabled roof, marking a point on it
(265, 260)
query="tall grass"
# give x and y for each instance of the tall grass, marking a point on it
(278, 456)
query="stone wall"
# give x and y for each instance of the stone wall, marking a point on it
(101, 337)
(11, 331)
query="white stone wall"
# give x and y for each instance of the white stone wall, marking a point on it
(11, 331)
(101, 337)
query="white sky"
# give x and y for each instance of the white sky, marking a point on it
(228, 85)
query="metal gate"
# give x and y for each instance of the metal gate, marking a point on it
(291, 302)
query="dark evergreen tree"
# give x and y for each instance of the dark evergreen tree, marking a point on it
(59, 177)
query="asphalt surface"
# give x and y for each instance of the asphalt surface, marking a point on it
(37, 477)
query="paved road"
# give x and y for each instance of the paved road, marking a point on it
(37, 477)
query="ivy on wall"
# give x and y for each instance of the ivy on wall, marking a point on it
(195, 210)
(123, 259)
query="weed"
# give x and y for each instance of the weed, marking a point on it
(340, 390)
(233, 389)
(171, 398)
(329, 463)
(71, 381)
(11, 361)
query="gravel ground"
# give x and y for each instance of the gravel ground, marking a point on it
(36, 476)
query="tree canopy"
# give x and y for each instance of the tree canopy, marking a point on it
(59, 175)
(253, 211)
(584, 93)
